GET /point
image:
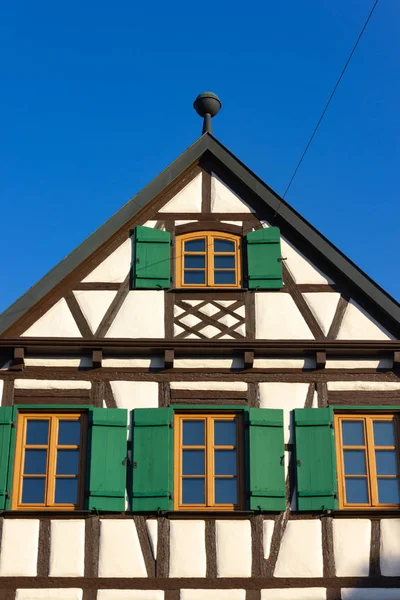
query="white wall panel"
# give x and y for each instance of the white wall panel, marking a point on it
(115, 267)
(357, 324)
(51, 384)
(224, 200)
(300, 267)
(130, 595)
(209, 363)
(152, 531)
(67, 548)
(238, 386)
(213, 595)
(19, 547)
(300, 553)
(233, 540)
(187, 548)
(351, 544)
(128, 362)
(390, 547)
(94, 305)
(268, 530)
(294, 594)
(323, 306)
(370, 594)
(349, 363)
(56, 322)
(120, 552)
(140, 316)
(58, 361)
(277, 317)
(49, 594)
(365, 386)
(135, 394)
(286, 396)
(188, 200)
(284, 363)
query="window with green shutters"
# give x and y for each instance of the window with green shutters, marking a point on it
(264, 264)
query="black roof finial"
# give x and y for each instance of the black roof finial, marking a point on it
(207, 105)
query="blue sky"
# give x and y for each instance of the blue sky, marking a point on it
(97, 99)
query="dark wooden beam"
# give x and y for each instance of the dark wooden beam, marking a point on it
(78, 315)
(18, 362)
(169, 356)
(320, 359)
(396, 360)
(248, 359)
(97, 357)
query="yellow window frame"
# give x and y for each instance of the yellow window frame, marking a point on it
(209, 471)
(369, 448)
(51, 447)
(209, 254)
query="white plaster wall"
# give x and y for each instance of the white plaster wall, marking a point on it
(268, 530)
(120, 553)
(135, 394)
(390, 547)
(188, 200)
(130, 595)
(238, 386)
(187, 549)
(323, 306)
(300, 553)
(148, 362)
(370, 594)
(351, 544)
(19, 547)
(286, 396)
(152, 530)
(213, 595)
(233, 541)
(294, 594)
(49, 594)
(224, 200)
(150, 224)
(184, 222)
(94, 305)
(357, 324)
(284, 363)
(348, 363)
(58, 361)
(277, 317)
(115, 267)
(56, 322)
(366, 386)
(209, 363)
(51, 384)
(140, 316)
(237, 223)
(301, 269)
(67, 548)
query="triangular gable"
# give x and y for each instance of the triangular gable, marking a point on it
(234, 189)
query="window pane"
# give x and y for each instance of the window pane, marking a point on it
(193, 433)
(388, 491)
(224, 246)
(225, 462)
(193, 462)
(193, 261)
(195, 245)
(356, 490)
(225, 491)
(224, 277)
(192, 491)
(224, 262)
(66, 491)
(37, 432)
(353, 433)
(193, 277)
(225, 433)
(354, 462)
(69, 433)
(35, 462)
(33, 490)
(384, 433)
(386, 463)
(67, 462)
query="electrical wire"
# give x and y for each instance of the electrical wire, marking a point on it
(327, 105)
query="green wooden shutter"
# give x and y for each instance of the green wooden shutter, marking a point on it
(152, 459)
(108, 452)
(151, 260)
(315, 459)
(6, 414)
(264, 267)
(266, 455)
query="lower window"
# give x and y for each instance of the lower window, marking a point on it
(367, 447)
(208, 461)
(49, 461)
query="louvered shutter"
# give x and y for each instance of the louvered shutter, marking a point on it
(108, 452)
(266, 455)
(151, 258)
(152, 459)
(264, 265)
(315, 459)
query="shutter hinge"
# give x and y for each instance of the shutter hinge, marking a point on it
(282, 461)
(171, 424)
(298, 462)
(281, 259)
(171, 496)
(8, 495)
(125, 461)
(138, 260)
(13, 424)
(134, 464)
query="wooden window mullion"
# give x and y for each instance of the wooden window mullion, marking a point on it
(52, 456)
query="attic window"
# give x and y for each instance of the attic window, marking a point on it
(208, 259)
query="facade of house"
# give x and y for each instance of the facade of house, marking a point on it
(201, 402)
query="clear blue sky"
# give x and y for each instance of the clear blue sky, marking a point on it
(97, 99)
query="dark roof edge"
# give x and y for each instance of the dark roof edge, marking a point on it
(101, 235)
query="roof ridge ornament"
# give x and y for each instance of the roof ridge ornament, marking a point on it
(207, 105)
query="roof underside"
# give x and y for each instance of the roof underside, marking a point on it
(365, 290)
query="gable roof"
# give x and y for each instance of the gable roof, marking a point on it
(366, 291)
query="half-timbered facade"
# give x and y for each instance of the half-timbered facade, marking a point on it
(201, 402)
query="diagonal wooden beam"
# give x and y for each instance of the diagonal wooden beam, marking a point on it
(338, 318)
(113, 309)
(78, 315)
(301, 304)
